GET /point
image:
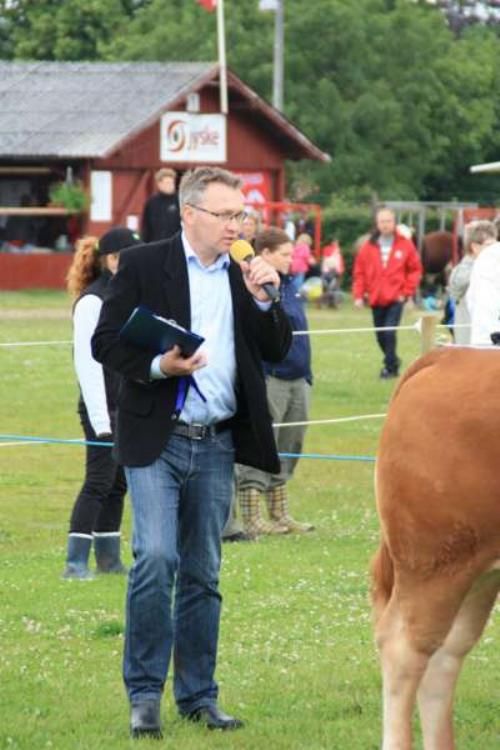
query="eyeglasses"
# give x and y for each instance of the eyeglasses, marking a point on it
(224, 216)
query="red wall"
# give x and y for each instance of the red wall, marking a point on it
(32, 271)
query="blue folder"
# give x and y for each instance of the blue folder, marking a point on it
(149, 331)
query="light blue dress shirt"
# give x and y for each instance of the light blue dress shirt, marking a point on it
(211, 317)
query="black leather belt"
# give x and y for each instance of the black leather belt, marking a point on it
(200, 431)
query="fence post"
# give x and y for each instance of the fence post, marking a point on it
(428, 332)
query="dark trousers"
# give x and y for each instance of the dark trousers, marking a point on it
(99, 505)
(388, 315)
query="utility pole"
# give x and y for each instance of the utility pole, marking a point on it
(279, 54)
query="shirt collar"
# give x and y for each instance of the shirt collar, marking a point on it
(222, 260)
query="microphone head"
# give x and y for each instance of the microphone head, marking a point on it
(241, 250)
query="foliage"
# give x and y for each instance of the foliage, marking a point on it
(296, 659)
(71, 195)
(63, 29)
(347, 222)
(402, 104)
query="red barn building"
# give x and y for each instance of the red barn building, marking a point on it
(110, 127)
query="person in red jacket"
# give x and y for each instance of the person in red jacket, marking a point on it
(387, 271)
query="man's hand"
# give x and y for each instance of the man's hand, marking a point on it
(255, 274)
(173, 363)
(358, 303)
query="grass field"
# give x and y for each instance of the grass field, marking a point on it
(296, 660)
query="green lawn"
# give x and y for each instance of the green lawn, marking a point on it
(296, 657)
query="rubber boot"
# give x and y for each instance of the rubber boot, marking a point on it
(77, 560)
(253, 523)
(277, 505)
(107, 553)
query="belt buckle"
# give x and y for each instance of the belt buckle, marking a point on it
(197, 431)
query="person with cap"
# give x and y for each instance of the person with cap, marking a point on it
(98, 509)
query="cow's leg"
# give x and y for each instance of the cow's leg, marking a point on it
(402, 670)
(414, 625)
(435, 695)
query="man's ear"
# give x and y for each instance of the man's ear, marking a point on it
(187, 213)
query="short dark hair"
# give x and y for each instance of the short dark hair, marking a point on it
(270, 239)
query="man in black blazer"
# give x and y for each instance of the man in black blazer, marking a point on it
(182, 422)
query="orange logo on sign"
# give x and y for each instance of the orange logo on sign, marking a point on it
(176, 135)
(180, 137)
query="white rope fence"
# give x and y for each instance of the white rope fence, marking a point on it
(34, 343)
(424, 326)
(417, 327)
(336, 420)
(311, 422)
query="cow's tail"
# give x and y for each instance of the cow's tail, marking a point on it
(382, 573)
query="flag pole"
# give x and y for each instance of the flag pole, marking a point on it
(279, 49)
(221, 44)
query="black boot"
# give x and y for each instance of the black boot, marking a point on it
(107, 553)
(77, 560)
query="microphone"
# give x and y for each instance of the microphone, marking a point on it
(242, 250)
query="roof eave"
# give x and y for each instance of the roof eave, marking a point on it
(305, 146)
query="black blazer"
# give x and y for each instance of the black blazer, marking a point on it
(155, 275)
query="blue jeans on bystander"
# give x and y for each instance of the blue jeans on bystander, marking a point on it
(388, 316)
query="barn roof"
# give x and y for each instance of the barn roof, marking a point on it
(86, 110)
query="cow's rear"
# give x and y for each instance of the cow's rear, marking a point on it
(435, 576)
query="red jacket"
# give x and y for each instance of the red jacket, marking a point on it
(384, 285)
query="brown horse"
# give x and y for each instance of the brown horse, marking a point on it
(437, 250)
(437, 572)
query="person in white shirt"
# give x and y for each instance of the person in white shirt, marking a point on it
(97, 511)
(476, 232)
(483, 295)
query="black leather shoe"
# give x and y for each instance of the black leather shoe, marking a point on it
(145, 720)
(213, 718)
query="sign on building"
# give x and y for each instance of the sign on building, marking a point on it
(193, 138)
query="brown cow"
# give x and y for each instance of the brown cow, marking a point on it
(437, 572)
(437, 251)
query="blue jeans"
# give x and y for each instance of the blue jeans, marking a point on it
(388, 316)
(180, 504)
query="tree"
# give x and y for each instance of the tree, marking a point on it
(62, 29)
